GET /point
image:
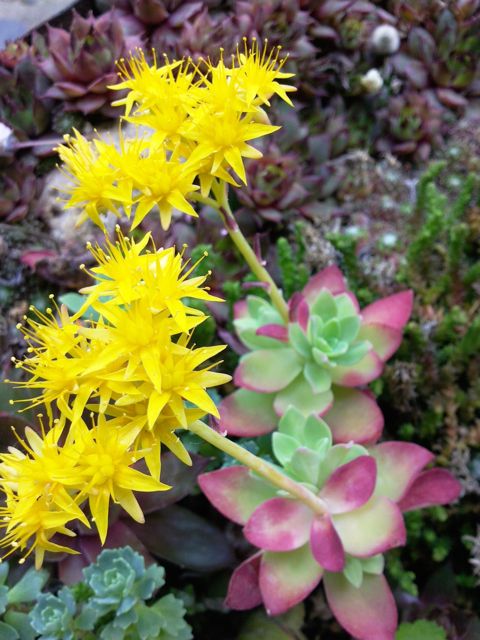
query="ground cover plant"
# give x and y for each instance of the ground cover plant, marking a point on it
(303, 459)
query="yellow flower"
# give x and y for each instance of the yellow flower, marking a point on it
(37, 505)
(257, 74)
(93, 180)
(34, 518)
(224, 138)
(126, 273)
(103, 470)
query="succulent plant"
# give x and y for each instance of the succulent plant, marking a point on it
(14, 621)
(52, 616)
(23, 104)
(20, 189)
(81, 61)
(314, 362)
(361, 495)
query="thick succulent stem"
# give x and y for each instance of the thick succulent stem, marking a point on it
(259, 466)
(257, 268)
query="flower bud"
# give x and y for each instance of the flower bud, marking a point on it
(372, 81)
(385, 40)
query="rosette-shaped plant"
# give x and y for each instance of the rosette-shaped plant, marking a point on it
(315, 362)
(81, 61)
(360, 495)
(20, 190)
(52, 616)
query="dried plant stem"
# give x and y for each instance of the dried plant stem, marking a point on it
(259, 466)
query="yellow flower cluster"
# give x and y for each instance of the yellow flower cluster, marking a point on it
(195, 123)
(133, 368)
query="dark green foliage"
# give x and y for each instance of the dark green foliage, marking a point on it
(290, 256)
(420, 630)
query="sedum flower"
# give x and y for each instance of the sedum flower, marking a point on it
(103, 470)
(315, 362)
(200, 121)
(361, 495)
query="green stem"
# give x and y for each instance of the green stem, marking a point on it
(259, 466)
(246, 250)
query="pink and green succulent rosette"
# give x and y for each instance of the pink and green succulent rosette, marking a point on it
(316, 361)
(363, 491)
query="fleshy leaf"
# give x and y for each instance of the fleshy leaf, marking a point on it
(354, 416)
(367, 613)
(287, 578)
(284, 447)
(279, 524)
(305, 465)
(243, 589)
(384, 340)
(299, 394)
(235, 492)
(353, 571)
(326, 545)
(393, 311)
(267, 370)
(276, 331)
(351, 485)
(374, 528)
(398, 464)
(363, 372)
(435, 486)
(247, 413)
(330, 278)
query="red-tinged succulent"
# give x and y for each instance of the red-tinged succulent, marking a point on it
(315, 362)
(361, 495)
(81, 61)
(19, 190)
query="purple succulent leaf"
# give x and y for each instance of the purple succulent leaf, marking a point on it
(398, 465)
(299, 394)
(327, 548)
(452, 99)
(410, 68)
(243, 589)
(280, 524)
(432, 487)
(355, 415)
(287, 578)
(277, 331)
(235, 492)
(367, 369)
(393, 311)
(384, 340)
(350, 486)
(371, 529)
(184, 13)
(68, 89)
(367, 612)
(330, 278)
(86, 105)
(267, 371)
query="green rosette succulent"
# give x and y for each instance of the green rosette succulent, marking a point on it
(316, 361)
(53, 616)
(361, 494)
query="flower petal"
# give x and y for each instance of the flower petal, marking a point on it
(235, 492)
(384, 340)
(374, 528)
(398, 464)
(330, 278)
(363, 372)
(351, 485)
(326, 545)
(355, 415)
(299, 395)
(367, 612)
(267, 370)
(280, 524)
(287, 578)
(393, 311)
(435, 486)
(247, 413)
(243, 589)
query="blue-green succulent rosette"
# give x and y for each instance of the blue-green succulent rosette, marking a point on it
(317, 361)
